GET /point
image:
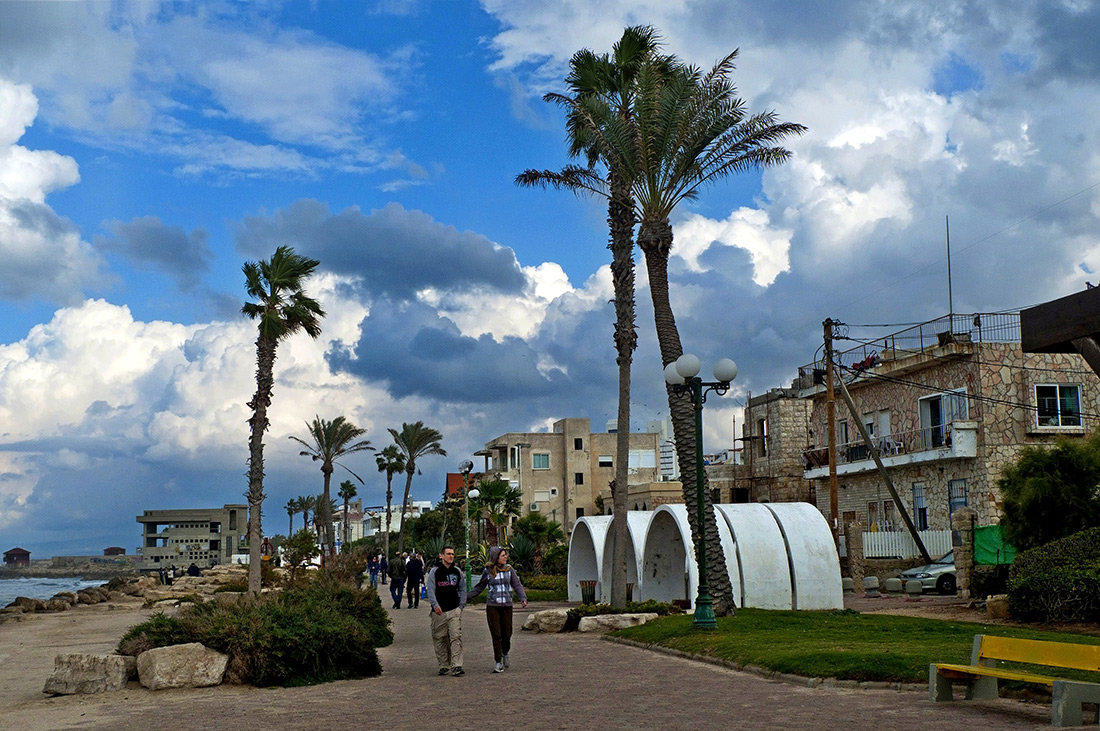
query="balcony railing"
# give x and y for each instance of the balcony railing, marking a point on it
(947, 441)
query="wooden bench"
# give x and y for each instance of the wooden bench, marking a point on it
(982, 674)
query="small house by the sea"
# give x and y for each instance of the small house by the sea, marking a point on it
(17, 557)
(114, 551)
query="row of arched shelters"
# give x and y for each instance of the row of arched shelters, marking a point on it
(778, 555)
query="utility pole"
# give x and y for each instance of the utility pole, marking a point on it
(830, 428)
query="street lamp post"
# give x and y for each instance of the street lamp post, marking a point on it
(683, 376)
(465, 469)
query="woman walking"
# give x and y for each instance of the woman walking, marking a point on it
(501, 580)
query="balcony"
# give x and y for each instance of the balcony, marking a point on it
(957, 440)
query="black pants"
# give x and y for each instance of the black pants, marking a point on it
(413, 592)
(500, 627)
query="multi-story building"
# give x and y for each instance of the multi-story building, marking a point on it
(203, 536)
(949, 404)
(561, 473)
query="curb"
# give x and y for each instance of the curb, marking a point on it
(767, 674)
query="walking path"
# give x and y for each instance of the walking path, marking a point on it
(568, 681)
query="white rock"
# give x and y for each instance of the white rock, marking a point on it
(608, 622)
(548, 620)
(80, 673)
(181, 666)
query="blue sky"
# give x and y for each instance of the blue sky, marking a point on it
(147, 150)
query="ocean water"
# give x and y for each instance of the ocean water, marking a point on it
(40, 588)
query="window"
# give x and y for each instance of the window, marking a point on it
(578, 443)
(889, 515)
(1058, 405)
(605, 460)
(580, 513)
(920, 507)
(578, 478)
(842, 432)
(642, 458)
(937, 413)
(540, 461)
(761, 437)
(872, 516)
(956, 495)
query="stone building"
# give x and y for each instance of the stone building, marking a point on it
(561, 472)
(949, 403)
(204, 536)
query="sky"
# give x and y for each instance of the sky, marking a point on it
(148, 150)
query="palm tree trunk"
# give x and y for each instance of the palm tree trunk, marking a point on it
(265, 379)
(655, 240)
(345, 522)
(409, 470)
(325, 514)
(389, 499)
(620, 219)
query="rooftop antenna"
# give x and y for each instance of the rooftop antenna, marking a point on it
(950, 301)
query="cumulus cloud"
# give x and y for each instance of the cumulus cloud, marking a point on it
(147, 241)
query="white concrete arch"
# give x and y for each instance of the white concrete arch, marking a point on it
(761, 553)
(637, 523)
(586, 549)
(815, 565)
(669, 569)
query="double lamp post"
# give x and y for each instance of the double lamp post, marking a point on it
(465, 468)
(682, 375)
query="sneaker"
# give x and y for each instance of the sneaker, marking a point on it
(444, 671)
(458, 671)
(505, 662)
(498, 668)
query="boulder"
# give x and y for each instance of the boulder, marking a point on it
(57, 605)
(86, 596)
(997, 606)
(548, 620)
(181, 666)
(608, 622)
(69, 596)
(28, 604)
(89, 674)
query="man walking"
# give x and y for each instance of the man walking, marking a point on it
(414, 577)
(397, 580)
(446, 588)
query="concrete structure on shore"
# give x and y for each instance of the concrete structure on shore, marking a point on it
(203, 536)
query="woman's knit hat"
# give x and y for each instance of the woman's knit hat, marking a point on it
(494, 554)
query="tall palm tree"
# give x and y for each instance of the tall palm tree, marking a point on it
(499, 502)
(602, 88)
(542, 532)
(329, 442)
(291, 508)
(347, 491)
(391, 461)
(691, 130)
(282, 308)
(414, 441)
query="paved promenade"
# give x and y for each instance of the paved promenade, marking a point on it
(570, 681)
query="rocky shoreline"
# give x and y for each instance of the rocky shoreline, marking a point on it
(88, 572)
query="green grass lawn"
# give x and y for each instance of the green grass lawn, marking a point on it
(841, 644)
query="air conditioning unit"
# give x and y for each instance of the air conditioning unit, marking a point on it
(534, 507)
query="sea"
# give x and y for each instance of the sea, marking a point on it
(41, 588)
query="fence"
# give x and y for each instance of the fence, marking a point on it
(899, 544)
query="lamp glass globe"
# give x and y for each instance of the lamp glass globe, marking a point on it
(687, 365)
(474, 494)
(671, 376)
(725, 370)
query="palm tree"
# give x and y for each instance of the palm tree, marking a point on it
(414, 441)
(602, 88)
(499, 502)
(282, 308)
(347, 492)
(306, 503)
(391, 461)
(543, 533)
(329, 442)
(291, 508)
(691, 129)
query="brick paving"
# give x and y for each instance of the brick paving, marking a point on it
(569, 681)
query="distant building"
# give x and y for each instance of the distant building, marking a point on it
(204, 536)
(114, 551)
(17, 557)
(374, 519)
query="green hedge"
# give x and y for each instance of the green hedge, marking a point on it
(1057, 582)
(319, 631)
(548, 582)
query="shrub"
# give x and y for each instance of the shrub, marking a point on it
(575, 614)
(548, 582)
(1059, 581)
(989, 580)
(241, 586)
(555, 560)
(320, 630)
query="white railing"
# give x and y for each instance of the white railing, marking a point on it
(899, 544)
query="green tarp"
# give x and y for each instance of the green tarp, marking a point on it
(990, 548)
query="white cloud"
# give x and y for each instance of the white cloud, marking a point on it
(745, 228)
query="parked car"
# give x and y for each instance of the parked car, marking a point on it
(938, 575)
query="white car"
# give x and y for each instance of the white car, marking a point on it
(938, 575)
